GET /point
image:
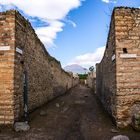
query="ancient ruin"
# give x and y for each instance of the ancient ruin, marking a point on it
(29, 76)
(118, 74)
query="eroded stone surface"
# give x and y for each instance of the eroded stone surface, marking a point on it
(118, 84)
(21, 126)
(120, 137)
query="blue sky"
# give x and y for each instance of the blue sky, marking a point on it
(73, 31)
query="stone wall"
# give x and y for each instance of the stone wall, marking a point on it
(62, 81)
(106, 74)
(91, 80)
(75, 79)
(118, 74)
(25, 56)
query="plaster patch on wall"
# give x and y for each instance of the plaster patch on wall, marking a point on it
(19, 51)
(113, 57)
(128, 55)
(4, 48)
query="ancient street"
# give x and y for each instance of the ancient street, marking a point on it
(77, 115)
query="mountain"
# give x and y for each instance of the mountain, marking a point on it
(75, 68)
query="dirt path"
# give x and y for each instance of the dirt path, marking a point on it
(76, 115)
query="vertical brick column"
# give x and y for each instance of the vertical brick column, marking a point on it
(7, 51)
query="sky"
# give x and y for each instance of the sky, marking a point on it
(73, 31)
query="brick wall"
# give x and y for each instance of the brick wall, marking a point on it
(127, 30)
(118, 74)
(27, 55)
(7, 49)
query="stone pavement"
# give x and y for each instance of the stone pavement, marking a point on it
(77, 115)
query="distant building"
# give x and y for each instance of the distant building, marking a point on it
(91, 80)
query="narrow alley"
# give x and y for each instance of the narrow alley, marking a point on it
(77, 115)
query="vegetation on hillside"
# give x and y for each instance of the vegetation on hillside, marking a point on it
(82, 76)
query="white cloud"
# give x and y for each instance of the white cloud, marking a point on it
(71, 22)
(50, 11)
(110, 1)
(89, 59)
(49, 33)
(106, 1)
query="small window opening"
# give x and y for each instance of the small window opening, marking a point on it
(125, 50)
(22, 62)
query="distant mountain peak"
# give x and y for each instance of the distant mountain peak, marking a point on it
(75, 68)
